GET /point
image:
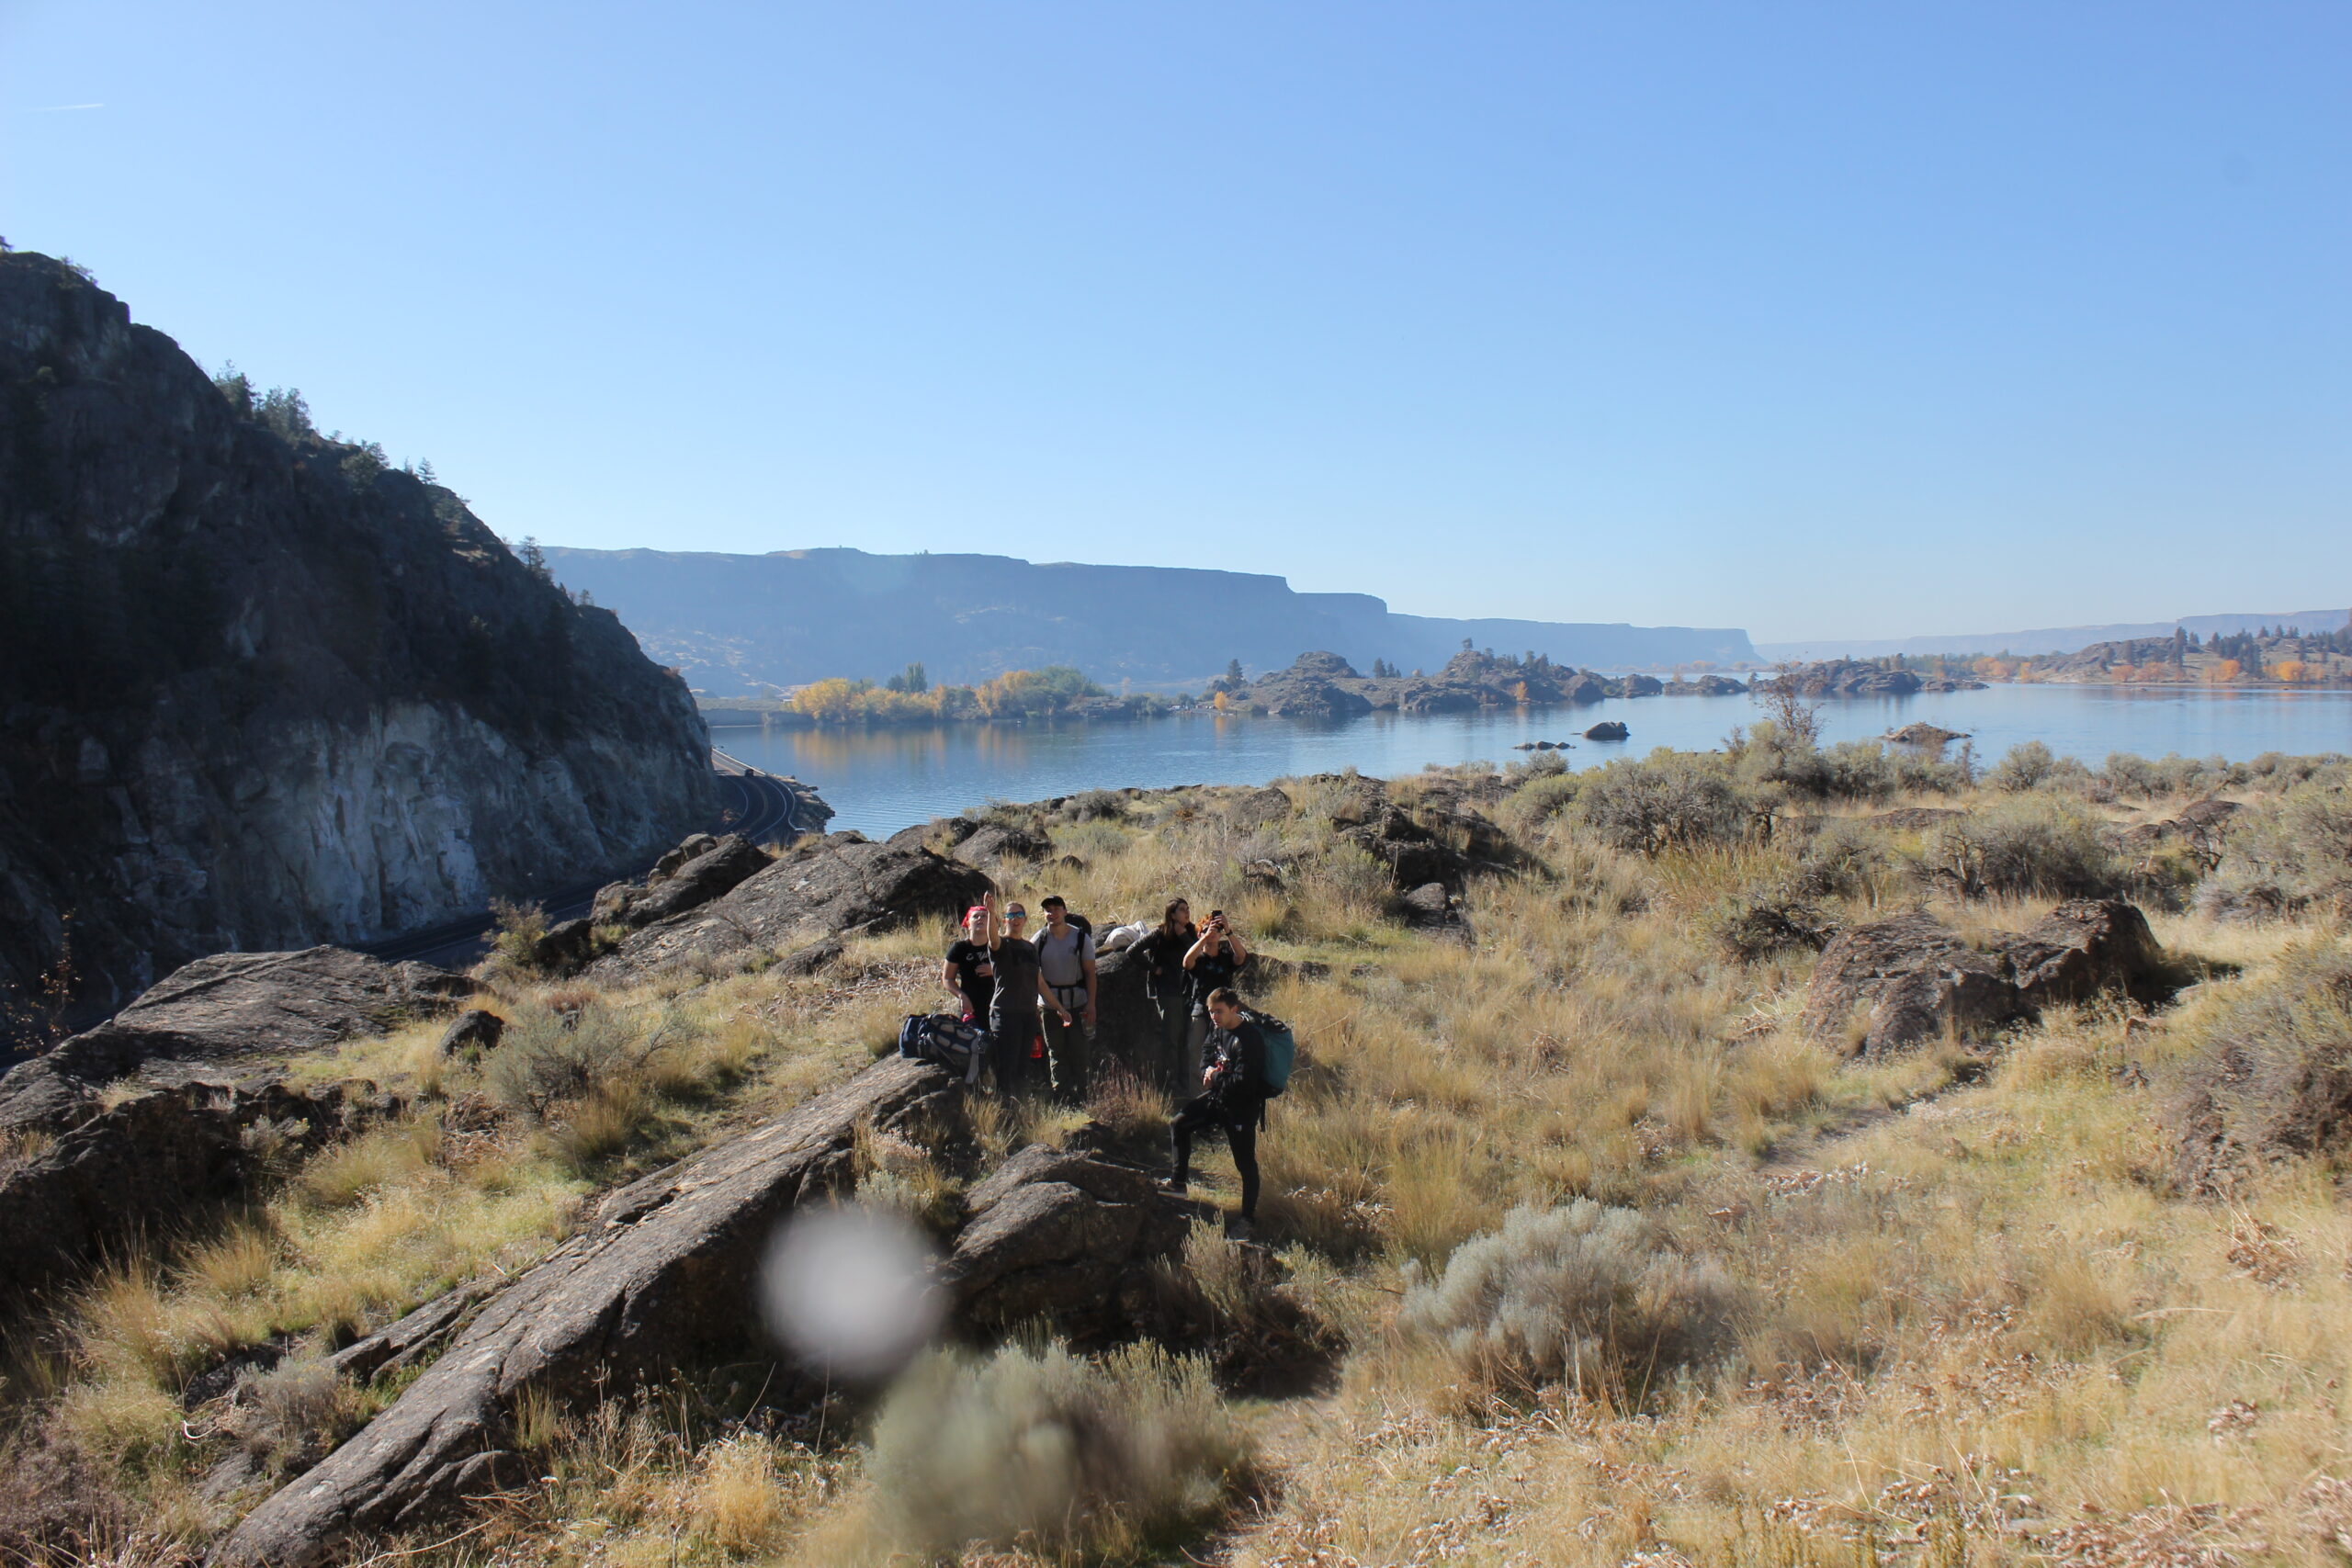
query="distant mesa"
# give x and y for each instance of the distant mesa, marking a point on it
(737, 623)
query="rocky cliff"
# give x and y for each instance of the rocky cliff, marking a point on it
(258, 690)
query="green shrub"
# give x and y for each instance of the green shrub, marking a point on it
(2040, 844)
(547, 1059)
(1581, 1293)
(1090, 1462)
(1546, 796)
(2286, 857)
(1668, 800)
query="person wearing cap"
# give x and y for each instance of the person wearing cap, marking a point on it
(1020, 995)
(969, 972)
(1066, 963)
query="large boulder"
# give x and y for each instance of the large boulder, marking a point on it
(1896, 984)
(993, 841)
(176, 1101)
(148, 1162)
(821, 888)
(664, 1276)
(1064, 1238)
(224, 1017)
(687, 877)
(1608, 729)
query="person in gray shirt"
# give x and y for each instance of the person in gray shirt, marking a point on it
(1066, 965)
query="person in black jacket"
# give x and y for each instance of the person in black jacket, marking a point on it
(1169, 984)
(1233, 1096)
(1215, 958)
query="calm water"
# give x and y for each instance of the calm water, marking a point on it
(881, 780)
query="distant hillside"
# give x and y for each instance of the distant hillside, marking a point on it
(734, 623)
(260, 690)
(2051, 640)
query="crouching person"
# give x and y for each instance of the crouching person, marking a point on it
(1233, 1097)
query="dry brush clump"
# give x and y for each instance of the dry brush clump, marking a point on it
(1086, 1461)
(2273, 1080)
(1589, 1295)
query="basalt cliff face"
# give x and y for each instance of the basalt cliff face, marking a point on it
(259, 690)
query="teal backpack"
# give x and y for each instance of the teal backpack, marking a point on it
(1282, 1051)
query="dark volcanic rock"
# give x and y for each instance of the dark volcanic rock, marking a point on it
(823, 887)
(1316, 685)
(189, 1068)
(1858, 678)
(1929, 736)
(663, 1277)
(258, 691)
(147, 1163)
(1705, 687)
(1902, 982)
(473, 1029)
(1608, 729)
(687, 877)
(1065, 1239)
(224, 1017)
(1002, 840)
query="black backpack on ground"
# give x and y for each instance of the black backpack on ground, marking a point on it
(950, 1041)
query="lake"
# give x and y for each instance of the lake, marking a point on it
(879, 780)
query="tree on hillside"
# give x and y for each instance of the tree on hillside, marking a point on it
(913, 677)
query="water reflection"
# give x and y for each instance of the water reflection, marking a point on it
(882, 780)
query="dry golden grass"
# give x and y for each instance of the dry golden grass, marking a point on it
(1975, 1324)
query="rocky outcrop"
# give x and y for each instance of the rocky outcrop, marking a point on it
(993, 841)
(1705, 687)
(1316, 685)
(1896, 983)
(1323, 686)
(259, 690)
(1063, 1238)
(663, 1277)
(821, 888)
(1860, 678)
(223, 1018)
(177, 1103)
(1608, 729)
(1926, 736)
(687, 877)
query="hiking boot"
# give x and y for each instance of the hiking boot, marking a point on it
(1179, 1182)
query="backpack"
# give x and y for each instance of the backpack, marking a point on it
(950, 1041)
(1281, 1051)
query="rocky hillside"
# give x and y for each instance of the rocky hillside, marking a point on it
(259, 690)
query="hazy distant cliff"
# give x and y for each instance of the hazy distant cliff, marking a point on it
(733, 621)
(258, 691)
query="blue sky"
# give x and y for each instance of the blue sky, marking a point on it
(1819, 320)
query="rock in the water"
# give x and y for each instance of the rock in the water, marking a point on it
(223, 1018)
(1932, 737)
(1705, 687)
(1064, 1238)
(475, 1029)
(1607, 730)
(1896, 984)
(823, 888)
(663, 1277)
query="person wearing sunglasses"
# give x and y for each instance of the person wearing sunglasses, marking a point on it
(1015, 1029)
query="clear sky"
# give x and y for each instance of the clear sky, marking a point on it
(1822, 320)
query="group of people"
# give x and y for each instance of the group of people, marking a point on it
(1035, 997)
